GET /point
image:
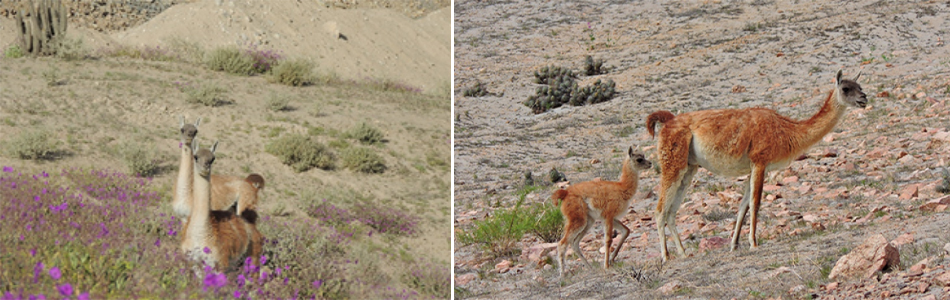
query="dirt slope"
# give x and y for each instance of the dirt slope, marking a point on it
(703, 55)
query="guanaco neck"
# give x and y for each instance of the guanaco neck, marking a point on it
(186, 175)
(628, 179)
(199, 224)
(819, 125)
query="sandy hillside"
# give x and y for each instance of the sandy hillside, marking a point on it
(870, 175)
(360, 44)
(98, 106)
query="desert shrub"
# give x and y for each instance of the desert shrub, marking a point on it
(550, 74)
(944, 186)
(429, 279)
(264, 60)
(477, 90)
(362, 159)
(33, 145)
(231, 60)
(716, 214)
(389, 85)
(139, 159)
(594, 66)
(301, 152)
(278, 102)
(14, 51)
(71, 49)
(366, 134)
(293, 73)
(51, 75)
(156, 53)
(385, 219)
(548, 222)
(208, 95)
(499, 233)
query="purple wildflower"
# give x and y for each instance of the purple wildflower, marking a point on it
(206, 250)
(317, 284)
(8, 169)
(55, 273)
(38, 297)
(215, 280)
(83, 296)
(37, 270)
(66, 289)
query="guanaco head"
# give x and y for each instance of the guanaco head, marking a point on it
(849, 91)
(188, 131)
(203, 159)
(637, 160)
(255, 180)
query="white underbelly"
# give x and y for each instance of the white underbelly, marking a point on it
(719, 163)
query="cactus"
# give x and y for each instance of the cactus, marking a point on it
(594, 67)
(556, 176)
(561, 87)
(40, 26)
(547, 73)
(478, 90)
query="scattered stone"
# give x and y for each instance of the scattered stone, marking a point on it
(938, 205)
(738, 89)
(594, 161)
(831, 286)
(873, 255)
(712, 243)
(671, 287)
(503, 266)
(903, 239)
(908, 192)
(536, 252)
(464, 278)
(943, 279)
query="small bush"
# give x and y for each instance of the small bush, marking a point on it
(207, 95)
(231, 60)
(71, 49)
(139, 159)
(499, 233)
(278, 102)
(51, 76)
(716, 215)
(362, 159)
(366, 134)
(33, 145)
(478, 90)
(293, 73)
(385, 219)
(14, 51)
(549, 222)
(301, 152)
(264, 60)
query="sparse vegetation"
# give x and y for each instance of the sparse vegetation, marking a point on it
(33, 145)
(71, 49)
(278, 102)
(139, 159)
(208, 95)
(14, 51)
(362, 159)
(293, 73)
(561, 88)
(301, 152)
(231, 60)
(366, 134)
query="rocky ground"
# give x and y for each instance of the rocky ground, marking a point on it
(876, 173)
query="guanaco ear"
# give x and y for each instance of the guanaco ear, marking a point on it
(213, 147)
(181, 120)
(630, 151)
(197, 122)
(857, 76)
(838, 77)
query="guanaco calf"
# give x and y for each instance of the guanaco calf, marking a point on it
(736, 142)
(607, 201)
(226, 191)
(228, 238)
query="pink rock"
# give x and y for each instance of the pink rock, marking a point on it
(536, 252)
(943, 279)
(810, 218)
(670, 287)
(503, 266)
(831, 286)
(903, 239)
(908, 192)
(871, 256)
(789, 179)
(830, 152)
(770, 188)
(934, 205)
(464, 278)
(712, 243)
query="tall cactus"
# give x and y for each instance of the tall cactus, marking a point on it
(40, 26)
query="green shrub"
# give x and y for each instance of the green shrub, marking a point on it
(366, 134)
(278, 102)
(549, 222)
(33, 145)
(293, 73)
(362, 159)
(499, 233)
(139, 159)
(207, 95)
(231, 60)
(14, 51)
(301, 152)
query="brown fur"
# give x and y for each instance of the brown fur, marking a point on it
(229, 237)
(735, 142)
(582, 201)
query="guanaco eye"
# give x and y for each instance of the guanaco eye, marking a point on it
(846, 90)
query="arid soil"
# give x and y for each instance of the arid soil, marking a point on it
(94, 107)
(870, 175)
